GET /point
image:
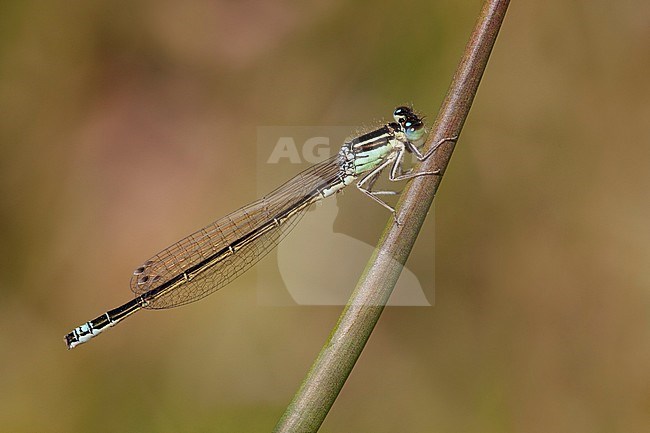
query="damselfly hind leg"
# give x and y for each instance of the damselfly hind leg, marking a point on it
(366, 183)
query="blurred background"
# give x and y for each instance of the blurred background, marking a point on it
(125, 126)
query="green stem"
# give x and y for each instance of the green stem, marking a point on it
(328, 374)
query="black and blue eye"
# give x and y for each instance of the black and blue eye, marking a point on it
(402, 114)
(414, 130)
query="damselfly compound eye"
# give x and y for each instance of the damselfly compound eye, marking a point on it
(414, 130)
(401, 114)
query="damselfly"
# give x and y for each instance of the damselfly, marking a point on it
(212, 257)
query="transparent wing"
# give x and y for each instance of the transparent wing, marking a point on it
(205, 243)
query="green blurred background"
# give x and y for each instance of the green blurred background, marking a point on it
(125, 125)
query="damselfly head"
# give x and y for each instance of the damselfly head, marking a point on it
(411, 124)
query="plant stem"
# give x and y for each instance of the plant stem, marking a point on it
(328, 374)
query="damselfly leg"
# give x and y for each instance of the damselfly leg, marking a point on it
(397, 172)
